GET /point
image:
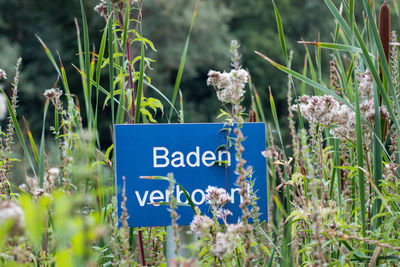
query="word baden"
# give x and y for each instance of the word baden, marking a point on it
(196, 157)
(178, 159)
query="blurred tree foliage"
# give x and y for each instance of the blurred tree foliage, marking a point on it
(53, 21)
(166, 23)
(255, 26)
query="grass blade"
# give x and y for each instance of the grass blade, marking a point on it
(281, 33)
(87, 64)
(111, 59)
(42, 141)
(345, 27)
(49, 55)
(139, 92)
(32, 141)
(18, 131)
(275, 116)
(360, 163)
(306, 80)
(100, 58)
(183, 60)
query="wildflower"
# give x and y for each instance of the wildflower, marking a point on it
(51, 177)
(54, 172)
(341, 118)
(234, 229)
(365, 85)
(229, 85)
(201, 224)
(223, 214)
(318, 109)
(221, 246)
(213, 77)
(52, 93)
(217, 196)
(270, 153)
(242, 77)
(10, 210)
(3, 107)
(3, 75)
(102, 8)
(35, 189)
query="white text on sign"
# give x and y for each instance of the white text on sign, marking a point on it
(161, 158)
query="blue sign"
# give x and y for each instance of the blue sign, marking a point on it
(197, 156)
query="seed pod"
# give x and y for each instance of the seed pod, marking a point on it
(384, 28)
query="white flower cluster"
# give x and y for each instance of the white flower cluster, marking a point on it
(217, 196)
(340, 118)
(11, 211)
(52, 93)
(229, 85)
(102, 8)
(365, 85)
(201, 225)
(223, 242)
(48, 183)
(226, 242)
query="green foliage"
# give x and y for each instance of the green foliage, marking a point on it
(334, 189)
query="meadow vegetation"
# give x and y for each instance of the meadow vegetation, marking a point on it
(333, 187)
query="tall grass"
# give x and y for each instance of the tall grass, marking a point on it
(334, 188)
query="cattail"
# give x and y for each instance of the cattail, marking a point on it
(384, 34)
(252, 116)
(384, 28)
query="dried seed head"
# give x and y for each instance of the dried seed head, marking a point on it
(52, 93)
(229, 85)
(221, 246)
(3, 75)
(217, 196)
(223, 214)
(101, 8)
(334, 75)
(201, 224)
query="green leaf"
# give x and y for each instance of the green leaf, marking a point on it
(140, 86)
(42, 141)
(281, 33)
(183, 60)
(18, 131)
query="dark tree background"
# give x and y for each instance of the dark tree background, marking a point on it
(166, 23)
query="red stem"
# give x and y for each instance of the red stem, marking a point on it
(141, 248)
